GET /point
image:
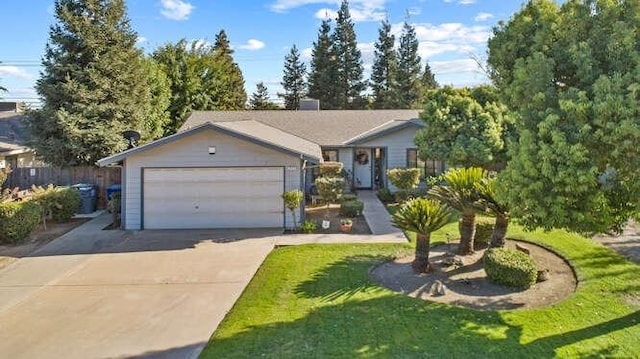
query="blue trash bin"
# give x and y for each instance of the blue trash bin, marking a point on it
(114, 188)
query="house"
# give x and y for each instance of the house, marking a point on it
(228, 169)
(14, 151)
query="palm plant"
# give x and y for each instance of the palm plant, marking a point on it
(422, 216)
(460, 192)
(487, 193)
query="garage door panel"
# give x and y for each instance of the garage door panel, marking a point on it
(213, 198)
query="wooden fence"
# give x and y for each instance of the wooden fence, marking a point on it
(25, 177)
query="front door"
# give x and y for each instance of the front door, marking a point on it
(362, 167)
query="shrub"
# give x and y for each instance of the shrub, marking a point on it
(292, 200)
(351, 208)
(308, 226)
(385, 195)
(17, 220)
(404, 179)
(330, 188)
(348, 197)
(4, 173)
(331, 169)
(67, 204)
(510, 267)
(484, 231)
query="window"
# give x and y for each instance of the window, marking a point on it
(330, 155)
(427, 168)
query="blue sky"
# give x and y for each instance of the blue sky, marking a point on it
(261, 32)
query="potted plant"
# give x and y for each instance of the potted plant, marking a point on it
(346, 224)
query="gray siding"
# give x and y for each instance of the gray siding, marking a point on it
(192, 151)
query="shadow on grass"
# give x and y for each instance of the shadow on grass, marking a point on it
(362, 323)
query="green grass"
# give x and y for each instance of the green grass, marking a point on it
(317, 301)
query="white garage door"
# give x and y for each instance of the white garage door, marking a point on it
(245, 197)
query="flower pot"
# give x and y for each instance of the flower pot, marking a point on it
(346, 227)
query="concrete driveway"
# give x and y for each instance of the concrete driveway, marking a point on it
(97, 294)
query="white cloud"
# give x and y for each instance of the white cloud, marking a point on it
(455, 66)
(360, 10)
(15, 71)
(483, 16)
(176, 9)
(305, 54)
(466, 2)
(141, 40)
(448, 33)
(252, 45)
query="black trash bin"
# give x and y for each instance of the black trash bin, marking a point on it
(88, 197)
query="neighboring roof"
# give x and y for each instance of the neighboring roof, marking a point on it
(384, 129)
(248, 130)
(13, 133)
(326, 127)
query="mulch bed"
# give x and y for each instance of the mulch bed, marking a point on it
(318, 213)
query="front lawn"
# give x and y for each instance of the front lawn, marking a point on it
(318, 301)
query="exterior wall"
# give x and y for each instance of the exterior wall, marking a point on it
(396, 144)
(192, 151)
(22, 160)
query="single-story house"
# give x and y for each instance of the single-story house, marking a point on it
(14, 151)
(228, 169)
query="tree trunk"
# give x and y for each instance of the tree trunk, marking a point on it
(421, 262)
(499, 231)
(467, 232)
(293, 214)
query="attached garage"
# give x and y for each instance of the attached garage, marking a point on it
(217, 175)
(231, 197)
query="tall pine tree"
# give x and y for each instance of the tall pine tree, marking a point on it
(232, 95)
(322, 75)
(93, 85)
(260, 99)
(408, 68)
(428, 79)
(385, 67)
(348, 81)
(293, 80)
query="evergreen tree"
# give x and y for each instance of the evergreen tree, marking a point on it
(348, 81)
(93, 85)
(293, 80)
(428, 79)
(322, 75)
(158, 115)
(408, 68)
(230, 83)
(384, 72)
(260, 99)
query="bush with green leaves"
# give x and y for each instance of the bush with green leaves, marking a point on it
(308, 226)
(17, 220)
(510, 267)
(404, 179)
(59, 203)
(484, 231)
(385, 195)
(331, 169)
(351, 208)
(292, 200)
(348, 197)
(4, 174)
(330, 188)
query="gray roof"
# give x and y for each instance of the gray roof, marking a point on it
(13, 133)
(326, 127)
(269, 137)
(385, 129)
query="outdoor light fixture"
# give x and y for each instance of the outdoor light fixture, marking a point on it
(212, 150)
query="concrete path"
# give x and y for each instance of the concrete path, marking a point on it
(98, 294)
(377, 215)
(626, 244)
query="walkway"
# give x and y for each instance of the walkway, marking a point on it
(627, 243)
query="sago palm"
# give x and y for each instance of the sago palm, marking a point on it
(460, 192)
(422, 216)
(487, 192)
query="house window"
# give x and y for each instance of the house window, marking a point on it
(330, 155)
(427, 167)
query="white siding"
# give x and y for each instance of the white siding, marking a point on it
(192, 151)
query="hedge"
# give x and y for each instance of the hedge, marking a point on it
(484, 231)
(17, 220)
(351, 208)
(510, 267)
(404, 178)
(331, 169)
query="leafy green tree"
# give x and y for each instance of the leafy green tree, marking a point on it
(322, 73)
(293, 80)
(94, 84)
(428, 79)
(409, 71)
(158, 116)
(462, 131)
(385, 68)
(260, 99)
(460, 191)
(422, 216)
(292, 200)
(348, 61)
(572, 73)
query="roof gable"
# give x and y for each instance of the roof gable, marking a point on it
(273, 138)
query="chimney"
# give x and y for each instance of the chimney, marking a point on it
(309, 104)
